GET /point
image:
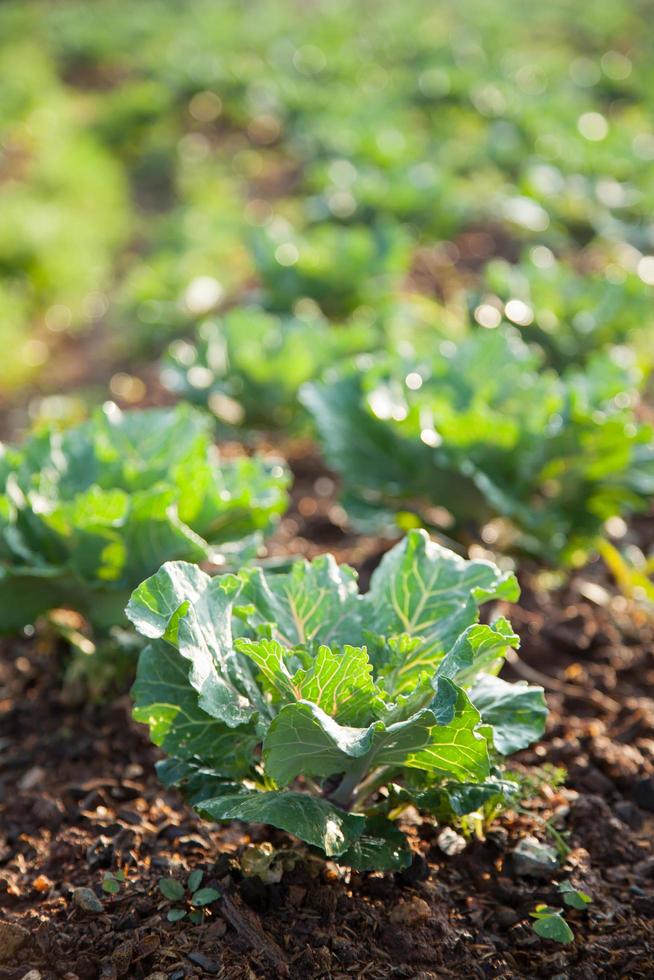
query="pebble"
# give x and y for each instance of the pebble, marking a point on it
(533, 858)
(450, 842)
(410, 913)
(32, 778)
(208, 965)
(87, 900)
(12, 937)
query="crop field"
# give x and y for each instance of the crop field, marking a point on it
(326, 490)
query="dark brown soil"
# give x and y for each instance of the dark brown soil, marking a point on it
(78, 798)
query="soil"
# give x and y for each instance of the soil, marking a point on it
(79, 798)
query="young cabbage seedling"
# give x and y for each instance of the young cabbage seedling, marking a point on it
(550, 922)
(195, 898)
(112, 881)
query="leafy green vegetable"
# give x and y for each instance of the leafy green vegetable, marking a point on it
(478, 428)
(248, 366)
(88, 512)
(337, 267)
(291, 699)
(571, 316)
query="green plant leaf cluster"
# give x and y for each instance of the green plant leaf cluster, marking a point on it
(290, 699)
(479, 428)
(88, 512)
(330, 158)
(195, 897)
(248, 367)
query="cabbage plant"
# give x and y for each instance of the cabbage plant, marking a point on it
(480, 429)
(294, 700)
(87, 513)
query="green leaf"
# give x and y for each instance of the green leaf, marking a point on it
(455, 749)
(223, 678)
(110, 885)
(516, 712)
(194, 880)
(552, 925)
(270, 657)
(312, 819)
(381, 847)
(451, 800)
(175, 915)
(172, 889)
(200, 624)
(315, 603)
(422, 590)
(341, 684)
(165, 700)
(156, 606)
(573, 897)
(204, 896)
(376, 463)
(302, 739)
(479, 649)
(196, 916)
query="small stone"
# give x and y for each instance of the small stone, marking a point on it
(208, 965)
(87, 900)
(33, 975)
(533, 858)
(450, 842)
(32, 778)
(12, 937)
(410, 913)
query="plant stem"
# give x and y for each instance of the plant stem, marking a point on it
(371, 784)
(344, 793)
